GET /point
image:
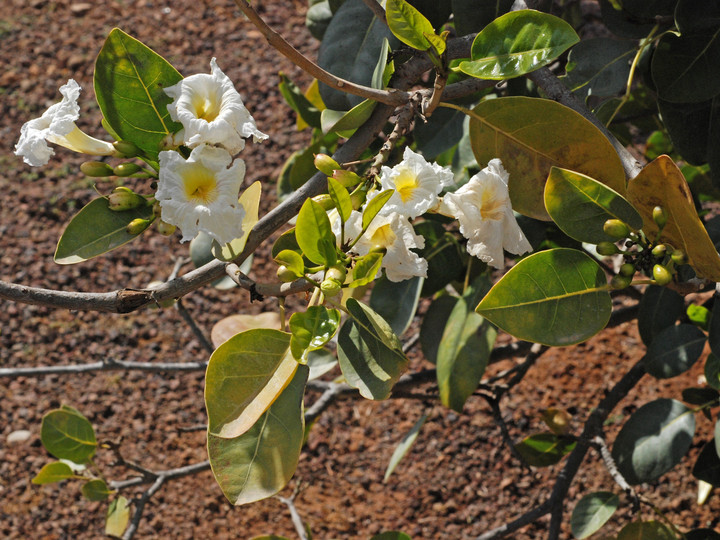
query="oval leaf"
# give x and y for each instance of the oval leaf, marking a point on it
(95, 230)
(707, 466)
(518, 43)
(433, 325)
(646, 530)
(408, 24)
(226, 328)
(530, 136)
(345, 123)
(313, 233)
(592, 512)
(312, 329)
(580, 206)
(369, 353)
(556, 297)
(599, 66)
(118, 517)
(655, 438)
(259, 463)
(396, 302)
(373, 207)
(56, 471)
(96, 490)
(674, 351)
(660, 307)
(545, 449)
(244, 376)
(404, 447)
(67, 434)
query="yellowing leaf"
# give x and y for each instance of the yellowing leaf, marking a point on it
(313, 96)
(662, 183)
(250, 201)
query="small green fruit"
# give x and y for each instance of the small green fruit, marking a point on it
(126, 169)
(616, 228)
(679, 257)
(330, 287)
(607, 249)
(347, 179)
(660, 216)
(165, 228)
(661, 275)
(138, 225)
(126, 149)
(285, 275)
(337, 272)
(659, 251)
(96, 169)
(627, 270)
(620, 281)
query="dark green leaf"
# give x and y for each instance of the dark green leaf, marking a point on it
(396, 302)
(313, 233)
(692, 16)
(674, 350)
(96, 490)
(298, 102)
(443, 254)
(545, 449)
(707, 466)
(318, 18)
(702, 534)
(67, 434)
(443, 130)
(599, 67)
(660, 307)
(592, 512)
(345, 123)
(312, 329)
(56, 471)
(404, 447)
(646, 530)
(433, 325)
(694, 129)
(471, 16)
(699, 396)
(712, 371)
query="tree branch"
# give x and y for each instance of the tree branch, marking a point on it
(108, 364)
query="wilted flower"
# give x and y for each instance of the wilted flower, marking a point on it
(211, 111)
(482, 206)
(201, 194)
(417, 184)
(57, 125)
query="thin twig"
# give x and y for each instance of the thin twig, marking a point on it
(199, 334)
(325, 400)
(109, 364)
(140, 507)
(169, 474)
(260, 290)
(294, 514)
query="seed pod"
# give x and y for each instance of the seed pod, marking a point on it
(661, 275)
(616, 228)
(607, 249)
(124, 199)
(337, 272)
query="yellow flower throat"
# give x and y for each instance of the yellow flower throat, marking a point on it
(200, 184)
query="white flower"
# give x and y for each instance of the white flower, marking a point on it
(211, 111)
(201, 194)
(57, 125)
(417, 184)
(394, 233)
(482, 206)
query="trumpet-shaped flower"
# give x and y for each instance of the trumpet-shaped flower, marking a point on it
(201, 194)
(482, 206)
(417, 184)
(394, 233)
(211, 111)
(57, 125)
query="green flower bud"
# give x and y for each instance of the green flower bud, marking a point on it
(96, 168)
(660, 216)
(659, 251)
(337, 272)
(620, 282)
(348, 179)
(325, 164)
(607, 249)
(616, 228)
(126, 149)
(330, 287)
(325, 201)
(378, 249)
(627, 270)
(165, 228)
(679, 257)
(136, 226)
(661, 275)
(285, 275)
(124, 199)
(126, 169)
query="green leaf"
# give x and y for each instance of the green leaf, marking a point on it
(699, 316)
(292, 260)
(445, 256)
(464, 348)
(370, 354)
(320, 362)
(404, 447)
(257, 464)
(391, 535)
(674, 350)
(532, 135)
(646, 530)
(655, 439)
(118, 517)
(129, 82)
(660, 307)
(692, 16)
(433, 325)
(312, 329)
(518, 43)
(408, 24)
(707, 466)
(95, 490)
(712, 371)
(244, 376)
(680, 66)
(700, 396)
(314, 234)
(556, 297)
(67, 434)
(374, 206)
(396, 302)
(545, 449)
(345, 123)
(341, 199)
(471, 16)
(581, 205)
(442, 131)
(298, 102)
(694, 129)
(57, 471)
(599, 67)
(318, 18)
(95, 230)
(366, 269)
(383, 71)
(592, 512)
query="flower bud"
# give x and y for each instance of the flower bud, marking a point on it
(157, 209)
(620, 282)
(337, 272)
(679, 257)
(627, 270)
(126, 149)
(659, 251)
(285, 275)
(325, 164)
(346, 178)
(607, 249)
(330, 287)
(616, 228)
(126, 169)
(136, 226)
(124, 199)
(96, 168)
(165, 228)
(325, 201)
(661, 275)
(660, 216)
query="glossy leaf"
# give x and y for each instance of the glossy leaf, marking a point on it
(580, 206)
(129, 84)
(707, 466)
(366, 269)
(244, 376)
(314, 234)
(592, 512)
(433, 325)
(259, 463)
(396, 302)
(341, 199)
(404, 447)
(67, 434)
(646, 530)
(370, 354)
(95, 230)
(674, 350)
(518, 43)
(374, 206)
(408, 24)
(556, 297)
(57, 471)
(292, 260)
(655, 439)
(250, 201)
(464, 349)
(345, 123)
(661, 183)
(660, 307)
(118, 517)
(599, 67)
(545, 449)
(297, 101)
(96, 490)
(312, 329)
(532, 135)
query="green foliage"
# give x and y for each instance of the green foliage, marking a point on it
(674, 350)
(707, 466)
(341, 199)
(404, 446)
(312, 330)
(646, 530)
(67, 434)
(433, 325)
(396, 302)
(56, 471)
(298, 102)
(408, 24)
(592, 512)
(599, 67)
(314, 234)
(545, 449)
(96, 490)
(660, 307)
(345, 123)
(374, 206)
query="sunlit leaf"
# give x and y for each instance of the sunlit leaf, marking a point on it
(96, 490)
(366, 269)
(404, 447)
(408, 24)
(227, 327)
(545, 449)
(67, 434)
(56, 471)
(312, 329)
(314, 234)
(374, 206)
(345, 123)
(341, 198)
(118, 517)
